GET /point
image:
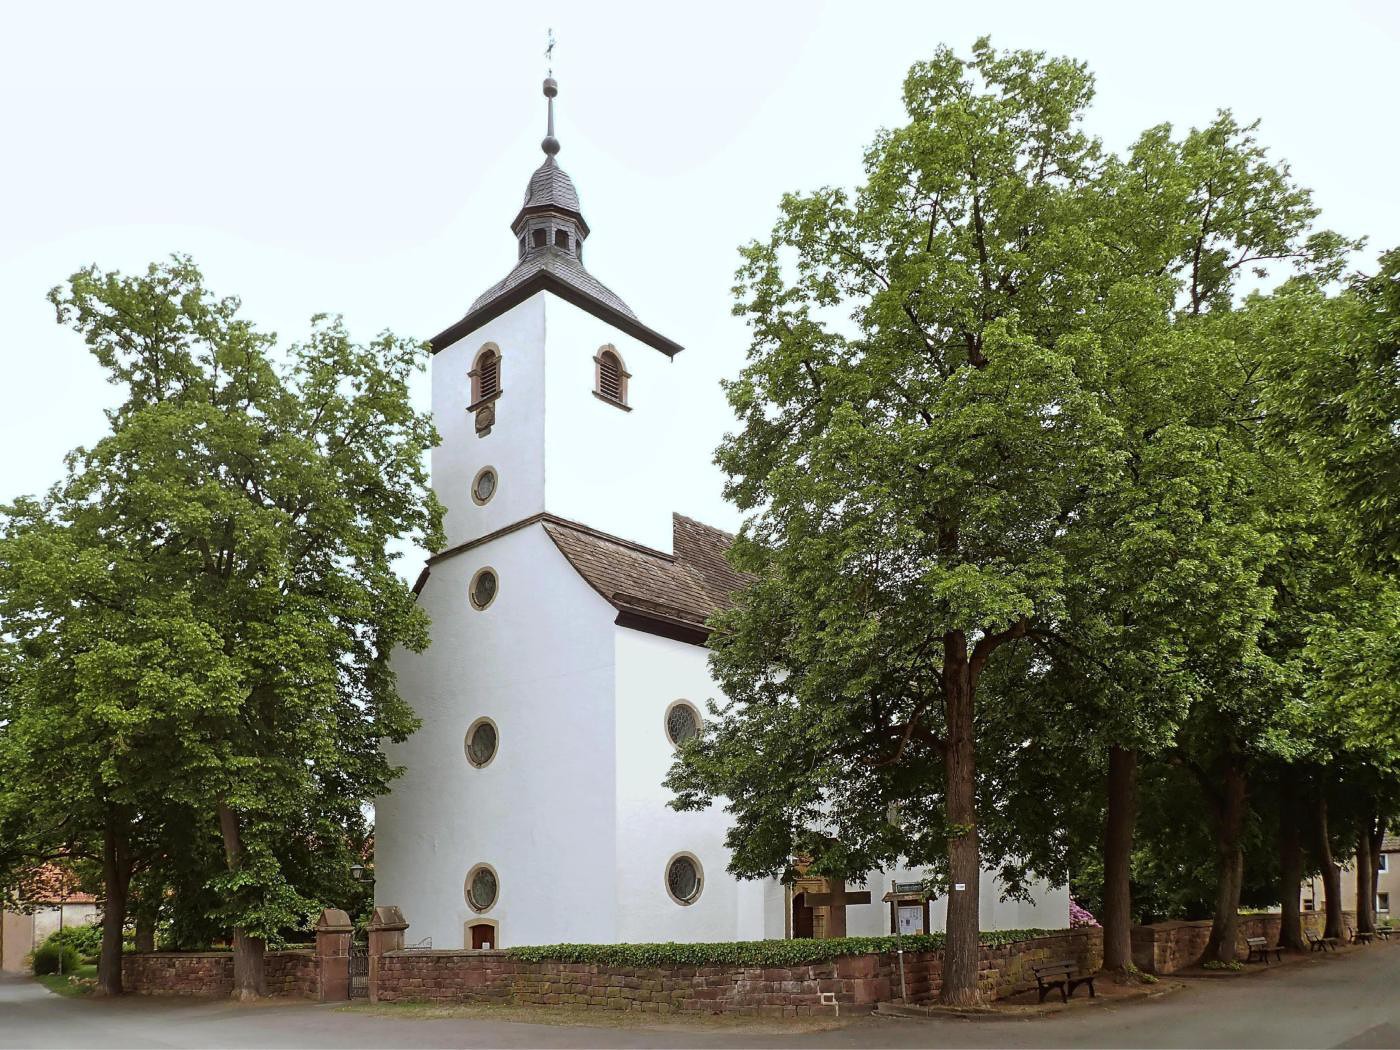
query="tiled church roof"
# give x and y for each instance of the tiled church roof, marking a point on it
(682, 591)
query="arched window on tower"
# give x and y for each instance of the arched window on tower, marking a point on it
(611, 377)
(486, 387)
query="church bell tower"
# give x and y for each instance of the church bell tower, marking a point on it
(550, 395)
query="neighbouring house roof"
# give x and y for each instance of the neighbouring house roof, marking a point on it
(53, 884)
(673, 595)
(1391, 843)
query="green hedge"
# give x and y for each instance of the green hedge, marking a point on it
(51, 957)
(85, 939)
(785, 953)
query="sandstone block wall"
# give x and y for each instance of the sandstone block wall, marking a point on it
(1166, 947)
(292, 973)
(859, 980)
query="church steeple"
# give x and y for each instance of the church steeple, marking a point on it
(549, 232)
(550, 219)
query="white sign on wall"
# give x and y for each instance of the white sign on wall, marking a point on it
(911, 919)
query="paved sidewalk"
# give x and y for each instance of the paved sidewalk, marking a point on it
(1351, 1000)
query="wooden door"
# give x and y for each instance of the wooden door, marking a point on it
(483, 935)
(801, 918)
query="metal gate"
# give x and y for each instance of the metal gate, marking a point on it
(359, 970)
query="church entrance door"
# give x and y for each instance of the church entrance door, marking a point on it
(483, 936)
(802, 925)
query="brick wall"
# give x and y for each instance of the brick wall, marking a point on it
(210, 974)
(858, 980)
(1166, 947)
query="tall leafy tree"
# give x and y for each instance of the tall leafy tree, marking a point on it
(217, 576)
(906, 469)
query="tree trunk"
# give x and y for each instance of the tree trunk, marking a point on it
(1331, 872)
(1117, 856)
(963, 945)
(145, 940)
(1290, 857)
(1365, 917)
(116, 879)
(247, 950)
(1229, 828)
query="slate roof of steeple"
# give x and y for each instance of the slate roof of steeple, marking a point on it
(551, 192)
(561, 266)
(551, 187)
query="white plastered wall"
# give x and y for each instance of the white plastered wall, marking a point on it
(515, 445)
(607, 468)
(538, 662)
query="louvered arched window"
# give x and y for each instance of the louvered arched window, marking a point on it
(486, 374)
(486, 387)
(612, 377)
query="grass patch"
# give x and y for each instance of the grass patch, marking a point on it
(590, 1017)
(80, 982)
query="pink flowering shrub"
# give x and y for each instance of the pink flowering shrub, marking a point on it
(1080, 917)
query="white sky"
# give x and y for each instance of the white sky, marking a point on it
(368, 158)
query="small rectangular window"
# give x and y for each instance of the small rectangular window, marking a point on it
(539, 238)
(1382, 902)
(561, 239)
(1382, 864)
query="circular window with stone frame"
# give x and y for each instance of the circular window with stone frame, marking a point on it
(682, 722)
(482, 887)
(484, 486)
(483, 588)
(482, 738)
(684, 878)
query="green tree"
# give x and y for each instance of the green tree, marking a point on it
(905, 474)
(1335, 397)
(216, 580)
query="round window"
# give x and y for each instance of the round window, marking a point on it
(483, 589)
(682, 722)
(481, 887)
(484, 487)
(683, 878)
(481, 742)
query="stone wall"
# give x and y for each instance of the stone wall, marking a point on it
(1003, 970)
(292, 973)
(858, 980)
(1166, 947)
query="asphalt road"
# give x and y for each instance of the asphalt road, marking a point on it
(1347, 1000)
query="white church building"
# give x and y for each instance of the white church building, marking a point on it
(568, 652)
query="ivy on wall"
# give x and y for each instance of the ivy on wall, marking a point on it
(801, 952)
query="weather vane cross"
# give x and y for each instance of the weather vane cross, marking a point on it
(549, 52)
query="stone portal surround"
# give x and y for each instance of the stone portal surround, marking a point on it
(856, 980)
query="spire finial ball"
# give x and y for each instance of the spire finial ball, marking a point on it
(551, 88)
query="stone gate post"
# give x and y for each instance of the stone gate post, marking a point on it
(334, 931)
(386, 928)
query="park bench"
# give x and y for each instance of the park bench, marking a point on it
(1383, 932)
(1361, 937)
(1259, 949)
(1061, 975)
(1320, 944)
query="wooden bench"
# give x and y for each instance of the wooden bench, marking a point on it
(1259, 949)
(1061, 975)
(1359, 937)
(1320, 944)
(1383, 932)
